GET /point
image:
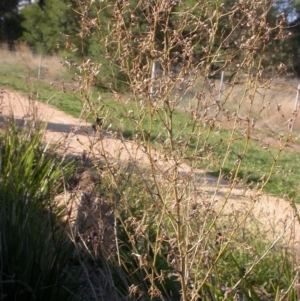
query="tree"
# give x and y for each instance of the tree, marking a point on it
(59, 23)
(293, 41)
(10, 29)
(287, 50)
(49, 24)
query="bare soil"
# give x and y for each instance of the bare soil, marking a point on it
(75, 137)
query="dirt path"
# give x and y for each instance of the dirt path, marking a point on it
(75, 137)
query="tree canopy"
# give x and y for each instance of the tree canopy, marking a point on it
(46, 25)
(49, 24)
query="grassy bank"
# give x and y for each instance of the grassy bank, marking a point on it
(121, 114)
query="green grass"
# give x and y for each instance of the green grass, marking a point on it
(44, 92)
(255, 163)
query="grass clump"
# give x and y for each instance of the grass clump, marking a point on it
(36, 252)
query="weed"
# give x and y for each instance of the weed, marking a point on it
(168, 230)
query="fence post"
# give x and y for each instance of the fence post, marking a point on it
(295, 107)
(40, 65)
(153, 70)
(220, 89)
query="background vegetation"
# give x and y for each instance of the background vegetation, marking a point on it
(49, 25)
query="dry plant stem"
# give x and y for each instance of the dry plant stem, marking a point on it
(134, 51)
(272, 167)
(292, 286)
(247, 134)
(179, 220)
(223, 249)
(114, 182)
(255, 263)
(82, 264)
(156, 248)
(108, 165)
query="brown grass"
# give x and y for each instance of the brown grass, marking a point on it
(24, 61)
(280, 93)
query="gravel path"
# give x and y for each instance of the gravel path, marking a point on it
(75, 137)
